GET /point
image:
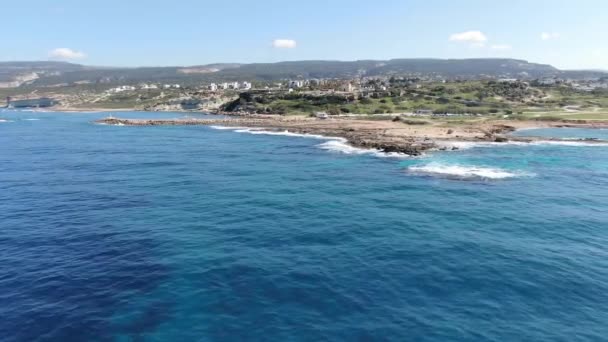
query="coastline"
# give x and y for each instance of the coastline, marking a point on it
(382, 135)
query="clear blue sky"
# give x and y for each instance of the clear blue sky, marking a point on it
(567, 34)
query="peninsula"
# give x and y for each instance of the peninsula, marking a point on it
(399, 135)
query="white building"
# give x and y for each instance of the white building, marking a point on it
(233, 85)
(246, 85)
(121, 89)
(223, 86)
(145, 86)
(212, 87)
(347, 87)
(296, 84)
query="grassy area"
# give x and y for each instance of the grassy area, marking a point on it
(470, 97)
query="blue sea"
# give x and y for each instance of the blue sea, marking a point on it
(112, 233)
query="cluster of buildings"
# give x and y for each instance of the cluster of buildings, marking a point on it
(335, 85)
(363, 85)
(229, 85)
(143, 86)
(589, 86)
(211, 87)
(313, 82)
(580, 85)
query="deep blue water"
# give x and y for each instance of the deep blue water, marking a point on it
(195, 234)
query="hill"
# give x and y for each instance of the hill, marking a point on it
(44, 74)
(14, 74)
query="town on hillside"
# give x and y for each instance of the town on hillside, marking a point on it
(385, 95)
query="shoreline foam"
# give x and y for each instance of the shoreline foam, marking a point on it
(333, 144)
(464, 172)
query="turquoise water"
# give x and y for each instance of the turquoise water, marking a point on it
(571, 133)
(198, 234)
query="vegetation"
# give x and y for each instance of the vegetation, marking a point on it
(510, 99)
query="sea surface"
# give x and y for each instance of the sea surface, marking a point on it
(112, 233)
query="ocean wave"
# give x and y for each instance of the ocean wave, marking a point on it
(32, 119)
(465, 145)
(4, 120)
(465, 172)
(263, 131)
(334, 144)
(342, 146)
(106, 124)
(287, 134)
(226, 128)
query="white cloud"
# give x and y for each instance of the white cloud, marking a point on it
(549, 35)
(502, 47)
(65, 53)
(284, 43)
(476, 38)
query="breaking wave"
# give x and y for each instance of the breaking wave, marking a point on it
(341, 146)
(465, 172)
(285, 133)
(334, 144)
(225, 128)
(262, 131)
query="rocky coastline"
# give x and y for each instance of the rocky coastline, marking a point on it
(385, 136)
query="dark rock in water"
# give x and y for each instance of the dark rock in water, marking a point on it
(502, 129)
(409, 149)
(500, 139)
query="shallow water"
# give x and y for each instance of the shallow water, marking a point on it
(201, 234)
(566, 133)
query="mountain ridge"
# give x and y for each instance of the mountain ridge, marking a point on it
(50, 73)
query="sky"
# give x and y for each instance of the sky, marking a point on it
(566, 34)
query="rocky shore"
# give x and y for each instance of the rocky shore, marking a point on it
(383, 135)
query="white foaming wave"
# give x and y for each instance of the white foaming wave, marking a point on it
(287, 134)
(32, 119)
(465, 145)
(342, 147)
(334, 144)
(226, 128)
(4, 120)
(465, 172)
(262, 131)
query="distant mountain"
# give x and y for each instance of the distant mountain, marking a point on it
(17, 73)
(41, 74)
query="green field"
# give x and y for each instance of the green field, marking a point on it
(467, 97)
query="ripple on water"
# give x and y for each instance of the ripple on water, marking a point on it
(186, 234)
